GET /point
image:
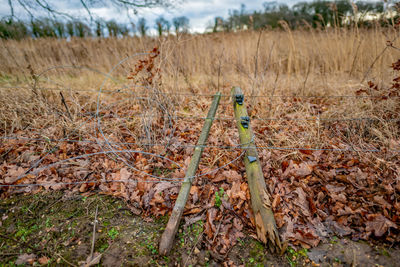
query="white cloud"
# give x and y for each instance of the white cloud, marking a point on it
(199, 12)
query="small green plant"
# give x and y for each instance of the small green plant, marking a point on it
(197, 229)
(166, 259)
(218, 197)
(303, 252)
(241, 242)
(182, 241)
(113, 233)
(48, 223)
(103, 247)
(294, 256)
(25, 209)
(191, 233)
(152, 248)
(23, 232)
(384, 252)
(338, 260)
(290, 258)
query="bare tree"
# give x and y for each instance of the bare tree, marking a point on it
(36, 8)
(142, 26)
(162, 25)
(181, 24)
(113, 28)
(100, 24)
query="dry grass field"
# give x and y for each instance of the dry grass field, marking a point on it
(281, 66)
(324, 108)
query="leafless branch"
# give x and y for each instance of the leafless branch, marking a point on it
(87, 9)
(11, 8)
(36, 6)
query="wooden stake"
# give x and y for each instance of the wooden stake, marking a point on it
(260, 197)
(173, 224)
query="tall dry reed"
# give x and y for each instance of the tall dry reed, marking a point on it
(285, 62)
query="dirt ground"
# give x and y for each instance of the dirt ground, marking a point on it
(57, 229)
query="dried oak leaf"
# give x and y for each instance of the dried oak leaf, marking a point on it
(13, 173)
(335, 189)
(160, 187)
(237, 224)
(297, 170)
(195, 192)
(379, 224)
(210, 227)
(302, 202)
(219, 178)
(381, 201)
(195, 210)
(236, 191)
(307, 237)
(25, 259)
(232, 176)
(276, 201)
(302, 170)
(43, 260)
(125, 174)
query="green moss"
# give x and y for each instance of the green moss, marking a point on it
(63, 226)
(294, 257)
(257, 252)
(383, 252)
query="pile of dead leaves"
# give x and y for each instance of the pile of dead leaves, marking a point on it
(316, 194)
(337, 194)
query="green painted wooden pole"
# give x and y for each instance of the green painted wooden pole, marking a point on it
(260, 197)
(173, 224)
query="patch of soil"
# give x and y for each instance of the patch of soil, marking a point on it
(57, 229)
(349, 253)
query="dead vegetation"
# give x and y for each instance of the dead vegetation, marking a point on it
(328, 142)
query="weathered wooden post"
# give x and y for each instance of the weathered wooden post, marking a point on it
(173, 224)
(260, 197)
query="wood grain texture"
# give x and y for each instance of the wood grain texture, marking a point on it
(260, 197)
(168, 236)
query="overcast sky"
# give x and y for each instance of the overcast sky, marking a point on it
(200, 12)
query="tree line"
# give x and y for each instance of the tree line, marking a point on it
(10, 28)
(338, 13)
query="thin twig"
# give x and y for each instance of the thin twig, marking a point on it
(255, 82)
(355, 58)
(71, 264)
(65, 105)
(194, 246)
(305, 80)
(377, 57)
(219, 226)
(94, 233)
(219, 67)
(269, 58)
(3, 156)
(272, 93)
